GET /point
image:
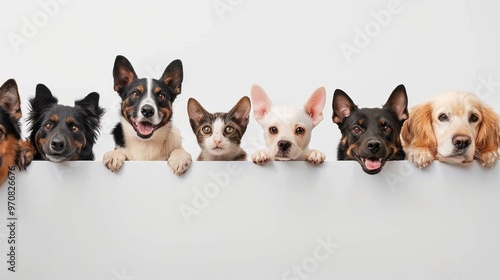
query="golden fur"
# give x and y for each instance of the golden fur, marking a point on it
(428, 135)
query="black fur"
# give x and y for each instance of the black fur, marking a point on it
(63, 132)
(134, 90)
(370, 135)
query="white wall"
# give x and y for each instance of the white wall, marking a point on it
(433, 224)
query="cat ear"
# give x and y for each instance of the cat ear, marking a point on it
(196, 113)
(241, 111)
(261, 103)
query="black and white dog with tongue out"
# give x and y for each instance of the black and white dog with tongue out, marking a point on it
(145, 131)
(370, 135)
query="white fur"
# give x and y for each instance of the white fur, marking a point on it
(165, 144)
(287, 119)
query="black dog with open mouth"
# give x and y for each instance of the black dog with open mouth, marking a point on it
(370, 135)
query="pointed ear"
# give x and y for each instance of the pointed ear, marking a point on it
(43, 98)
(315, 105)
(417, 131)
(123, 73)
(94, 113)
(196, 113)
(398, 103)
(488, 136)
(173, 76)
(241, 111)
(261, 103)
(342, 106)
(9, 98)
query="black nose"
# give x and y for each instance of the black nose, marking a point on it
(147, 111)
(284, 145)
(374, 146)
(461, 142)
(57, 145)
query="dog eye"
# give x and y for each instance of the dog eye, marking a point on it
(273, 130)
(300, 130)
(206, 129)
(473, 118)
(443, 118)
(48, 126)
(387, 129)
(161, 96)
(229, 129)
(356, 130)
(135, 95)
(75, 128)
(2, 134)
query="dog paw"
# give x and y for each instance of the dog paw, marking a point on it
(261, 157)
(420, 157)
(315, 157)
(114, 160)
(488, 159)
(179, 161)
(26, 154)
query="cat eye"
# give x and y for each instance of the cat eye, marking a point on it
(48, 126)
(300, 130)
(387, 129)
(229, 129)
(473, 118)
(206, 129)
(273, 130)
(75, 128)
(443, 118)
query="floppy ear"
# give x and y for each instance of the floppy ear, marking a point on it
(94, 113)
(241, 111)
(417, 131)
(261, 103)
(342, 106)
(173, 76)
(315, 104)
(398, 103)
(9, 99)
(123, 73)
(488, 136)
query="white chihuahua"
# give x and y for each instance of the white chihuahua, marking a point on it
(287, 129)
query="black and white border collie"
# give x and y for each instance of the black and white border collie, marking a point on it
(145, 131)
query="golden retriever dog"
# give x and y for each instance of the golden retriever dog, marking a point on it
(455, 127)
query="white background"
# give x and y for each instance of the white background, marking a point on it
(290, 48)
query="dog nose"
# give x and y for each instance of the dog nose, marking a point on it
(284, 145)
(147, 111)
(57, 145)
(374, 146)
(461, 141)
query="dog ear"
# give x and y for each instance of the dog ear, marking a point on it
(241, 111)
(417, 131)
(342, 106)
(94, 113)
(261, 103)
(315, 105)
(123, 73)
(196, 113)
(9, 99)
(173, 76)
(488, 136)
(43, 98)
(398, 103)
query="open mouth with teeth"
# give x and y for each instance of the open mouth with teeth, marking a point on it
(144, 129)
(371, 165)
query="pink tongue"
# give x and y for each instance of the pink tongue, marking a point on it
(372, 164)
(145, 128)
